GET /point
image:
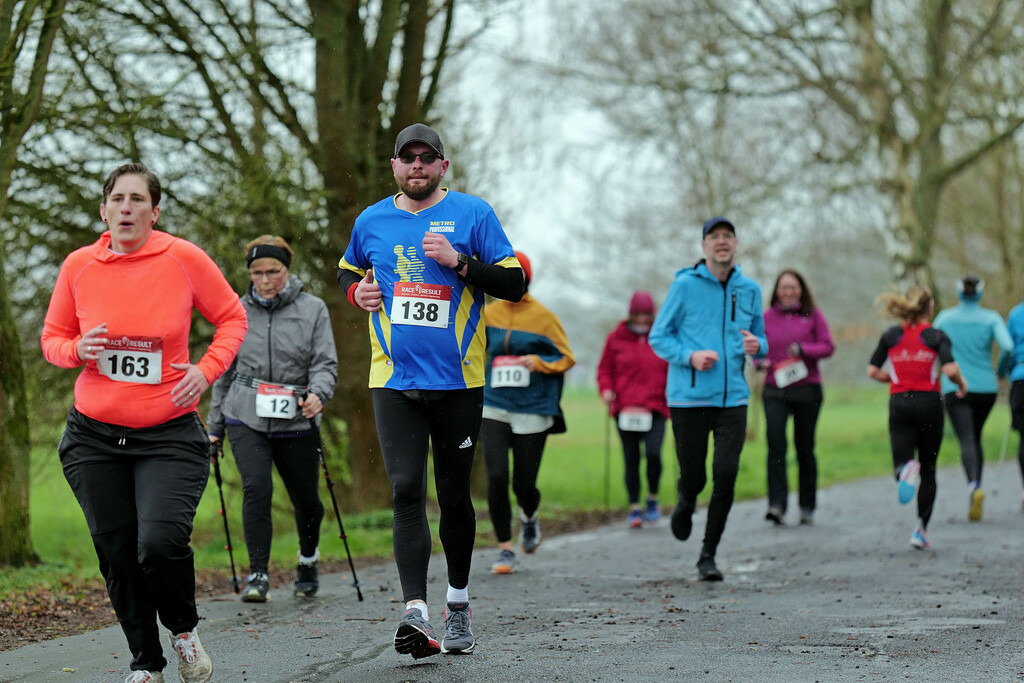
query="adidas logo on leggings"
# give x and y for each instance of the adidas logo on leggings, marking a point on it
(468, 443)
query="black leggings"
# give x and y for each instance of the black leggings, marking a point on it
(497, 438)
(139, 489)
(803, 403)
(297, 461)
(915, 424)
(449, 422)
(968, 415)
(652, 440)
(692, 427)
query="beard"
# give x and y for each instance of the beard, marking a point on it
(420, 192)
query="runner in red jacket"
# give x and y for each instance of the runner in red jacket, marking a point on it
(631, 379)
(134, 451)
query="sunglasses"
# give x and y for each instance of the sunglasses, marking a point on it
(426, 157)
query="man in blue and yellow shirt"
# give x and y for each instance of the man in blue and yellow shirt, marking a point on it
(421, 262)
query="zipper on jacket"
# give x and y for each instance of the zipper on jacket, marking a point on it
(270, 358)
(734, 306)
(693, 377)
(725, 348)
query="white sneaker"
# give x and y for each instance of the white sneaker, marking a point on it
(194, 665)
(145, 677)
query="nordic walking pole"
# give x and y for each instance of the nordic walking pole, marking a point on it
(334, 501)
(216, 452)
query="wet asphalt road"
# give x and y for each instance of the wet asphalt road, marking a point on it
(844, 600)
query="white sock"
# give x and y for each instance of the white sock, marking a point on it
(309, 560)
(422, 607)
(458, 594)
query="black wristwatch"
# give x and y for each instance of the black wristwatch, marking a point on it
(463, 261)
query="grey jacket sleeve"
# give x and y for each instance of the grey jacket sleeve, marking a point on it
(323, 363)
(215, 418)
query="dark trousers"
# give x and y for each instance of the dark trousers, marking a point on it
(915, 424)
(497, 439)
(692, 427)
(968, 415)
(139, 489)
(1017, 419)
(298, 462)
(651, 440)
(449, 423)
(804, 404)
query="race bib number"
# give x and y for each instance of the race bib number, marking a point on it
(635, 420)
(275, 401)
(132, 359)
(507, 372)
(415, 303)
(789, 371)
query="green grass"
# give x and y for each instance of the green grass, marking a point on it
(578, 466)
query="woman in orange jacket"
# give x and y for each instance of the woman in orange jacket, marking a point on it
(134, 450)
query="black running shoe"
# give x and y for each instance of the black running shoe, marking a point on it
(257, 588)
(774, 515)
(707, 570)
(306, 581)
(682, 520)
(415, 636)
(458, 634)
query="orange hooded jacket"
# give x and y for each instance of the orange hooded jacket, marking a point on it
(149, 293)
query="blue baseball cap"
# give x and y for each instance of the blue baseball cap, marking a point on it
(712, 223)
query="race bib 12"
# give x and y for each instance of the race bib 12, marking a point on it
(275, 401)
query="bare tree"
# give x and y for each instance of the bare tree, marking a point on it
(261, 116)
(27, 34)
(883, 102)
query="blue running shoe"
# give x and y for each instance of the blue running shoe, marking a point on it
(919, 539)
(635, 519)
(653, 512)
(910, 478)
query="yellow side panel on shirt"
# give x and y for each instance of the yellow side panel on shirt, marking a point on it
(381, 367)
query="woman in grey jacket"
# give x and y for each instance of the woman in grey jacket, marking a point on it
(288, 349)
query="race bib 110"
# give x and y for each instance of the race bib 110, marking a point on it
(507, 372)
(132, 359)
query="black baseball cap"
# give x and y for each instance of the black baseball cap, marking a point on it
(419, 132)
(712, 223)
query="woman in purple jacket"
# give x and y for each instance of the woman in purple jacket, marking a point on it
(631, 379)
(798, 337)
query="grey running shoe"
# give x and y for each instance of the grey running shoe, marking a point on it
(415, 636)
(529, 537)
(306, 581)
(145, 677)
(257, 588)
(707, 570)
(506, 563)
(194, 665)
(458, 634)
(807, 517)
(682, 520)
